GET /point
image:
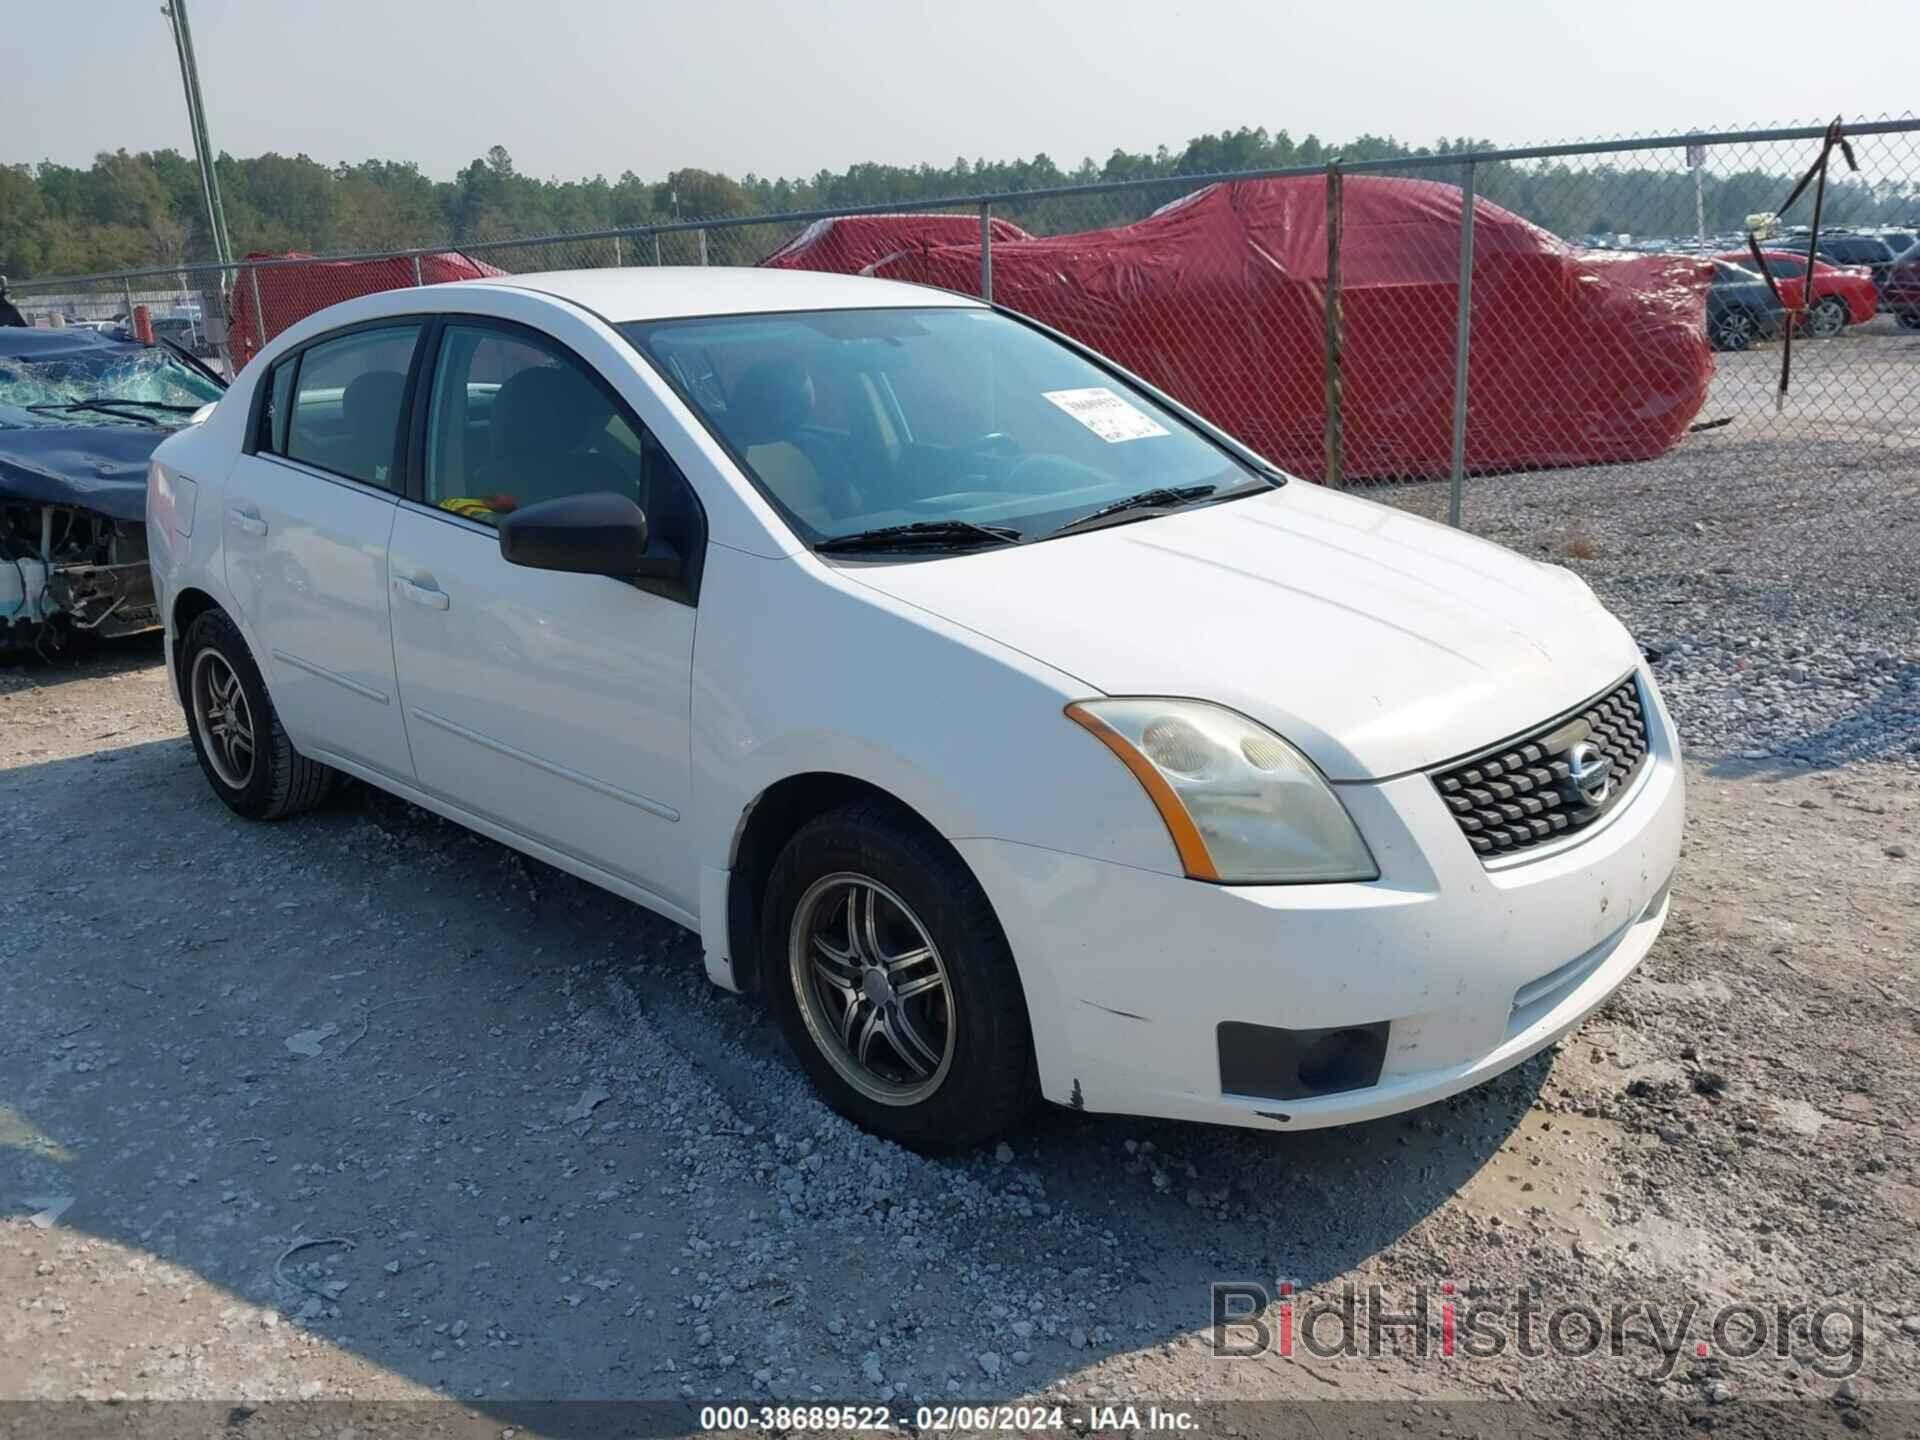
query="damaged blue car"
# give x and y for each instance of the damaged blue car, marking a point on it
(80, 414)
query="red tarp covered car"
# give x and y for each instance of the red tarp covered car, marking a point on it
(1217, 298)
(290, 293)
(848, 244)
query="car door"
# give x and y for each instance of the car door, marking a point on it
(555, 705)
(310, 510)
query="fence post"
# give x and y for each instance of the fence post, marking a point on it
(126, 288)
(986, 251)
(1462, 336)
(1335, 439)
(656, 248)
(703, 247)
(416, 271)
(617, 260)
(259, 311)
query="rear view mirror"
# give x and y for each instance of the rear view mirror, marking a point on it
(594, 534)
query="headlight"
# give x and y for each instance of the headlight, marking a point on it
(1241, 804)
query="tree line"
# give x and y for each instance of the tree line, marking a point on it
(142, 209)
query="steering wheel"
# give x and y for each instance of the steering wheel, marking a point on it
(993, 454)
(995, 444)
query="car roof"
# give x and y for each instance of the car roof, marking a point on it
(674, 292)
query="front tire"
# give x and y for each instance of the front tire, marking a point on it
(889, 974)
(243, 749)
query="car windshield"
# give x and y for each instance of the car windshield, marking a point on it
(150, 385)
(965, 424)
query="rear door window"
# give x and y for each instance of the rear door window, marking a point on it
(347, 399)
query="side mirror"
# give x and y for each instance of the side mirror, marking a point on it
(594, 534)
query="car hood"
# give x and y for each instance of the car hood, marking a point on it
(1376, 641)
(103, 467)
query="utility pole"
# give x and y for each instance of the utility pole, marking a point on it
(176, 11)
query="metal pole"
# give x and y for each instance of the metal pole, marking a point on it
(656, 248)
(176, 11)
(617, 260)
(1335, 439)
(986, 251)
(224, 341)
(259, 311)
(416, 272)
(126, 288)
(1697, 162)
(703, 247)
(1462, 335)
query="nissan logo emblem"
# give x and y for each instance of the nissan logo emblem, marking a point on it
(1591, 773)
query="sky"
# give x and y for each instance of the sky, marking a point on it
(576, 88)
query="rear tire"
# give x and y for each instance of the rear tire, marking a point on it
(1733, 331)
(1827, 318)
(243, 749)
(889, 974)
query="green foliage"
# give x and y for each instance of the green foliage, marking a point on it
(145, 209)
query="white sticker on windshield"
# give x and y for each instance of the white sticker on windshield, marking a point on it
(1106, 414)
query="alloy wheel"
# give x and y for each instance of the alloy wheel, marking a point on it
(1827, 319)
(872, 988)
(1736, 330)
(223, 718)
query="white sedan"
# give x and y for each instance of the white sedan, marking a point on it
(1008, 729)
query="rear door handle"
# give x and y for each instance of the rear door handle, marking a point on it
(431, 596)
(247, 521)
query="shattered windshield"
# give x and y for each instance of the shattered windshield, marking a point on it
(149, 386)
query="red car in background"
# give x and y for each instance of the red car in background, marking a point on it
(1902, 295)
(1843, 295)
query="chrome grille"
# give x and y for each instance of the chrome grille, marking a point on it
(1521, 793)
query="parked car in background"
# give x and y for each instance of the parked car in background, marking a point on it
(80, 415)
(1215, 298)
(1841, 247)
(1039, 738)
(1902, 295)
(294, 285)
(1741, 308)
(1842, 295)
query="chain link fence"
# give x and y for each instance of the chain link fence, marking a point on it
(1567, 349)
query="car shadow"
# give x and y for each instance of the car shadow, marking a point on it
(86, 659)
(544, 1134)
(1884, 725)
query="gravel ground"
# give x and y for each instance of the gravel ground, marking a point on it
(1774, 563)
(362, 1106)
(530, 1154)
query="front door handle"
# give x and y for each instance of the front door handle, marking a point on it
(247, 521)
(431, 596)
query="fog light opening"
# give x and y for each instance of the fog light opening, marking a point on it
(1342, 1060)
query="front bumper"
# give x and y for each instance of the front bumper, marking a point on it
(1130, 973)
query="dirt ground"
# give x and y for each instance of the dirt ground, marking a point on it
(361, 1105)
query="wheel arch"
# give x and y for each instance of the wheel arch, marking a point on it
(768, 822)
(188, 606)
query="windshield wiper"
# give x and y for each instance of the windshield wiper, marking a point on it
(193, 361)
(922, 535)
(1161, 498)
(112, 405)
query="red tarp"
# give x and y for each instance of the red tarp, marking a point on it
(848, 244)
(1577, 357)
(290, 293)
